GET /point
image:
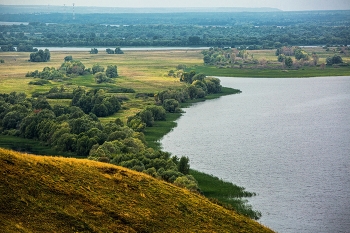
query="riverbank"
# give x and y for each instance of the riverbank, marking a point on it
(305, 72)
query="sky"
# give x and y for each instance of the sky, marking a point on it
(286, 5)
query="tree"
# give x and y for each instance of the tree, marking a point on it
(101, 77)
(183, 165)
(68, 58)
(171, 105)
(281, 58)
(94, 51)
(110, 51)
(112, 71)
(336, 59)
(97, 68)
(40, 56)
(288, 62)
(118, 51)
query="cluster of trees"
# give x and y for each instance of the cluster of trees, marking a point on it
(94, 51)
(71, 68)
(225, 56)
(68, 128)
(40, 56)
(7, 48)
(209, 29)
(26, 48)
(146, 118)
(336, 59)
(101, 76)
(48, 73)
(117, 50)
(95, 101)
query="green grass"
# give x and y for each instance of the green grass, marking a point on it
(29, 146)
(271, 73)
(225, 192)
(159, 129)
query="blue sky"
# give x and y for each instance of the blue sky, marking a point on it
(287, 5)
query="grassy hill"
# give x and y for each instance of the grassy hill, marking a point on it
(54, 194)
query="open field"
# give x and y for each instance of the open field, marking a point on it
(144, 71)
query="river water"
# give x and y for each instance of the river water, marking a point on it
(286, 139)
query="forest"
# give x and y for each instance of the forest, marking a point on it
(258, 30)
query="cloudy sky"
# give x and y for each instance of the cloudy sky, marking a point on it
(286, 5)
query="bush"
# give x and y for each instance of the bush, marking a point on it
(40, 82)
(40, 56)
(112, 71)
(336, 59)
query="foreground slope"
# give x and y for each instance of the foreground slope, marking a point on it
(50, 194)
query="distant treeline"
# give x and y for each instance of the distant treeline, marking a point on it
(253, 30)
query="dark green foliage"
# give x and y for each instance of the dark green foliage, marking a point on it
(7, 48)
(112, 71)
(40, 56)
(96, 102)
(158, 112)
(26, 48)
(216, 29)
(281, 58)
(94, 51)
(97, 68)
(110, 51)
(101, 78)
(2, 61)
(300, 54)
(288, 62)
(171, 105)
(73, 67)
(39, 82)
(48, 73)
(118, 51)
(136, 123)
(68, 58)
(184, 165)
(225, 194)
(336, 59)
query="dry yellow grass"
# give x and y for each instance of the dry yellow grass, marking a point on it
(50, 194)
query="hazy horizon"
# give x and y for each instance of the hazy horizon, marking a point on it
(296, 5)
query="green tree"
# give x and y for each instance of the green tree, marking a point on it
(336, 59)
(97, 68)
(94, 51)
(118, 51)
(40, 56)
(171, 105)
(68, 58)
(112, 71)
(184, 165)
(288, 62)
(101, 78)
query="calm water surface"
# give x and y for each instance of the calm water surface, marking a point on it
(286, 139)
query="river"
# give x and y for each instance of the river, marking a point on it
(286, 139)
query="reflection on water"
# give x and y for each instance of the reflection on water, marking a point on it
(286, 139)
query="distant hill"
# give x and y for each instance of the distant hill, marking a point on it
(28, 9)
(50, 194)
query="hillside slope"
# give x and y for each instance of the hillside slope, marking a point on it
(51, 194)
